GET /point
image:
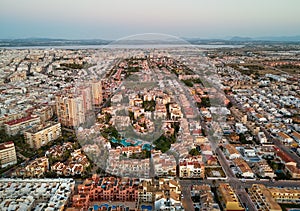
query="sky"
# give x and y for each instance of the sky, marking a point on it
(114, 19)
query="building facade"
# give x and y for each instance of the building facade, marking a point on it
(7, 154)
(14, 127)
(97, 97)
(41, 135)
(262, 198)
(70, 109)
(228, 198)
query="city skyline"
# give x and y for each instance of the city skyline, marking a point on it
(116, 19)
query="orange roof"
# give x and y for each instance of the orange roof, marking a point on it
(17, 121)
(285, 157)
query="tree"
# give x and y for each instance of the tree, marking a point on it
(194, 152)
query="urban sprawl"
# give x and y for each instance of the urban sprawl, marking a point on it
(174, 128)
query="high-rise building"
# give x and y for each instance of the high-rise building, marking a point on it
(96, 92)
(7, 154)
(74, 106)
(41, 135)
(70, 109)
(85, 92)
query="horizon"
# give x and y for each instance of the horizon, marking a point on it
(200, 19)
(230, 38)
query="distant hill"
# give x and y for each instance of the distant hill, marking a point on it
(236, 40)
(280, 38)
(241, 39)
(269, 38)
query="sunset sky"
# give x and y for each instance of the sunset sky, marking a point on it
(113, 19)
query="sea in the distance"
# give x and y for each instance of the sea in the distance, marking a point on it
(125, 46)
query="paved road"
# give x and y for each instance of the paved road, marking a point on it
(186, 200)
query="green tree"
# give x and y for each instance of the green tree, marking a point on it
(194, 152)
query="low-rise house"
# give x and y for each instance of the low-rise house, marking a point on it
(35, 194)
(167, 195)
(37, 168)
(206, 198)
(260, 118)
(234, 137)
(262, 138)
(240, 128)
(284, 138)
(131, 150)
(296, 136)
(243, 168)
(284, 157)
(231, 152)
(293, 170)
(263, 169)
(164, 165)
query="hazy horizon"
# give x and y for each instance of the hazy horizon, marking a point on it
(110, 20)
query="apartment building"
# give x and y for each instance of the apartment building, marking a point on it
(262, 198)
(286, 195)
(191, 167)
(7, 154)
(106, 189)
(11, 116)
(228, 198)
(70, 109)
(45, 113)
(42, 134)
(14, 127)
(97, 97)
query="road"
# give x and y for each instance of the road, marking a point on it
(235, 183)
(186, 200)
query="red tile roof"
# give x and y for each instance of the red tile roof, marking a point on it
(17, 121)
(5, 145)
(285, 157)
